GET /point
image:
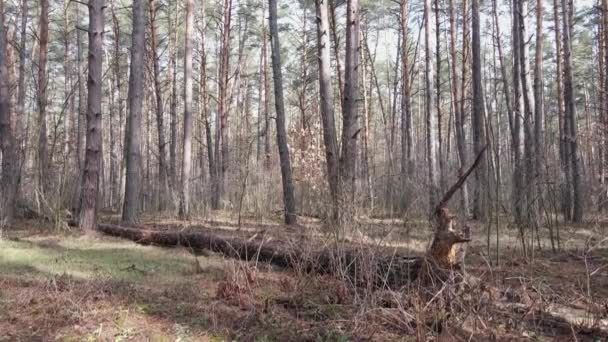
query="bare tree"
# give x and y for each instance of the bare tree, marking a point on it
(480, 207)
(117, 78)
(516, 127)
(440, 147)
(21, 81)
(90, 178)
(407, 162)
(173, 105)
(41, 96)
(350, 129)
(458, 115)
(184, 204)
(326, 103)
(528, 112)
(288, 196)
(9, 177)
(266, 88)
(431, 155)
(221, 133)
(539, 119)
(160, 123)
(336, 45)
(130, 213)
(570, 115)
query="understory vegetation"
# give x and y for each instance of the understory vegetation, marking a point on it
(75, 287)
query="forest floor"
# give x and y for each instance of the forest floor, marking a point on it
(62, 285)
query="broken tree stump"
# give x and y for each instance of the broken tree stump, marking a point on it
(440, 259)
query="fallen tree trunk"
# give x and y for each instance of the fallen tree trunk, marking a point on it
(362, 265)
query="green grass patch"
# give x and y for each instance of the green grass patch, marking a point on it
(93, 258)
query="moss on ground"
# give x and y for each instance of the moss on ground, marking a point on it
(93, 258)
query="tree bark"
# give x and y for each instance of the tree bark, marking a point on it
(350, 129)
(21, 89)
(518, 190)
(184, 204)
(41, 98)
(604, 106)
(480, 207)
(266, 86)
(336, 45)
(117, 77)
(441, 162)
(431, 155)
(204, 97)
(303, 70)
(326, 104)
(565, 174)
(526, 88)
(90, 178)
(9, 178)
(570, 116)
(407, 161)
(131, 208)
(173, 105)
(288, 195)
(160, 122)
(221, 136)
(459, 130)
(539, 115)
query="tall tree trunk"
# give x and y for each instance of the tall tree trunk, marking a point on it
(526, 88)
(518, 109)
(464, 95)
(350, 129)
(442, 177)
(204, 97)
(334, 34)
(21, 81)
(303, 70)
(81, 116)
(431, 155)
(365, 155)
(266, 86)
(565, 174)
(67, 84)
(90, 178)
(173, 105)
(604, 101)
(570, 115)
(480, 207)
(459, 131)
(130, 213)
(221, 136)
(288, 195)
(117, 71)
(160, 122)
(184, 203)
(41, 97)
(407, 162)
(326, 104)
(539, 119)
(9, 177)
